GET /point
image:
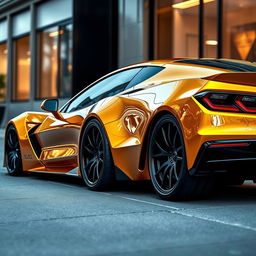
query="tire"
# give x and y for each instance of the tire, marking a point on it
(12, 152)
(168, 165)
(95, 157)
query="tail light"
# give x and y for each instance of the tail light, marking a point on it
(247, 103)
(229, 102)
(234, 144)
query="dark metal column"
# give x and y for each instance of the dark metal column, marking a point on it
(219, 24)
(151, 24)
(95, 40)
(33, 54)
(9, 70)
(201, 30)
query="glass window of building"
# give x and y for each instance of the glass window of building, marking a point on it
(48, 63)
(65, 65)
(55, 62)
(210, 28)
(21, 69)
(21, 56)
(164, 31)
(239, 29)
(47, 14)
(176, 29)
(3, 30)
(3, 59)
(3, 70)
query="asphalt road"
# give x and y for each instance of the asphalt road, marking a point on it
(58, 215)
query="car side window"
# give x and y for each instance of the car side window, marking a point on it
(107, 87)
(143, 75)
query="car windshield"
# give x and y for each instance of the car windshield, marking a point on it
(223, 64)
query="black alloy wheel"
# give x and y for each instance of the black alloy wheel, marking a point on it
(95, 157)
(12, 152)
(167, 162)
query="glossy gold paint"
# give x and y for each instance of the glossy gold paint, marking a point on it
(128, 117)
(58, 152)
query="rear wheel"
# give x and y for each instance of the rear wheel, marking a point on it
(167, 163)
(12, 152)
(95, 157)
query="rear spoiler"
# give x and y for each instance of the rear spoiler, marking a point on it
(245, 78)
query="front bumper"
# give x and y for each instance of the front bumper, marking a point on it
(226, 156)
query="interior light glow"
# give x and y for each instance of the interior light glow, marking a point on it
(56, 33)
(211, 42)
(189, 4)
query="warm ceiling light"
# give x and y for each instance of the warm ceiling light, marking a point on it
(189, 4)
(53, 34)
(211, 42)
(56, 33)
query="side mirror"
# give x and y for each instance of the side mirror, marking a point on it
(50, 105)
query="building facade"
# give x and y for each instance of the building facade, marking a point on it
(55, 48)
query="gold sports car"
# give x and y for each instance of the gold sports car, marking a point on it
(181, 123)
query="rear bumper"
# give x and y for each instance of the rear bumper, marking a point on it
(227, 156)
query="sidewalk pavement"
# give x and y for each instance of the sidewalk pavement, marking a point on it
(1, 149)
(1, 133)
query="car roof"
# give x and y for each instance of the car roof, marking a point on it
(227, 65)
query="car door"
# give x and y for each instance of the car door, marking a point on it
(59, 139)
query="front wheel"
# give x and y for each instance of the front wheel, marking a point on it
(95, 157)
(12, 152)
(168, 165)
